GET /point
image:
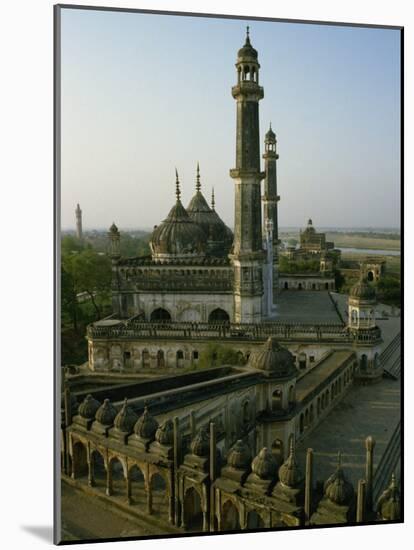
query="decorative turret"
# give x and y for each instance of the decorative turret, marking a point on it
(125, 419)
(264, 465)
(200, 445)
(361, 306)
(88, 407)
(106, 413)
(146, 426)
(289, 473)
(338, 502)
(389, 503)
(247, 253)
(165, 433)
(178, 236)
(240, 456)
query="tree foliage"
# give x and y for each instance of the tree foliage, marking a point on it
(215, 355)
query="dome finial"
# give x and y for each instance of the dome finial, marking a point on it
(198, 184)
(270, 125)
(247, 34)
(339, 461)
(213, 200)
(177, 186)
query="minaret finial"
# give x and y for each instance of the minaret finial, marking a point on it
(270, 125)
(291, 447)
(213, 200)
(177, 186)
(198, 184)
(247, 32)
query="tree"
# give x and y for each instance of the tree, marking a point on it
(90, 273)
(69, 303)
(215, 355)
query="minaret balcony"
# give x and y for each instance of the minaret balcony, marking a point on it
(248, 89)
(238, 173)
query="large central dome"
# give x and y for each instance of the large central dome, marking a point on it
(219, 236)
(178, 236)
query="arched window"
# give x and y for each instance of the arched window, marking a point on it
(302, 361)
(193, 514)
(364, 362)
(180, 358)
(277, 398)
(218, 315)
(286, 285)
(301, 423)
(160, 315)
(291, 394)
(254, 520)
(145, 358)
(230, 517)
(311, 414)
(160, 359)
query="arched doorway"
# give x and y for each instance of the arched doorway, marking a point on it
(300, 286)
(180, 358)
(159, 495)
(137, 481)
(193, 514)
(160, 315)
(79, 460)
(98, 469)
(230, 517)
(364, 362)
(254, 520)
(286, 285)
(118, 484)
(160, 359)
(370, 276)
(145, 359)
(302, 361)
(218, 315)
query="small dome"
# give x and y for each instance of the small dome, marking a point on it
(125, 419)
(337, 488)
(289, 473)
(106, 413)
(165, 433)
(264, 465)
(146, 425)
(200, 445)
(273, 359)
(88, 407)
(363, 290)
(247, 52)
(239, 456)
(113, 228)
(389, 503)
(270, 135)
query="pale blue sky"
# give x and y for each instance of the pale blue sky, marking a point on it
(144, 93)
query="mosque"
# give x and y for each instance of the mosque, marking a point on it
(214, 449)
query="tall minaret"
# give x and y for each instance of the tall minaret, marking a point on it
(247, 255)
(78, 213)
(270, 197)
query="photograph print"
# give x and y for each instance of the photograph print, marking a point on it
(229, 285)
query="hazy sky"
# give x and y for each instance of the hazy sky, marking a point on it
(143, 94)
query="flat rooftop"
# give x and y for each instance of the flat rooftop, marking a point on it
(306, 306)
(321, 373)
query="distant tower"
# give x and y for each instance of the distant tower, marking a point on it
(78, 213)
(247, 255)
(114, 242)
(270, 197)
